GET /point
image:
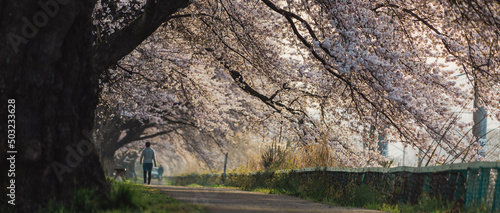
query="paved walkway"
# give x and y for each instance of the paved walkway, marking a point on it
(222, 200)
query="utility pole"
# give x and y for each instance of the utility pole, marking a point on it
(382, 143)
(480, 122)
(404, 153)
(480, 118)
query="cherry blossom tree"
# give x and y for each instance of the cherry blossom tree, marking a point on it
(49, 67)
(114, 130)
(342, 71)
(347, 67)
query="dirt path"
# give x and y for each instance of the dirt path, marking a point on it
(222, 200)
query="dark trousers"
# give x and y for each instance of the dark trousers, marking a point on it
(149, 176)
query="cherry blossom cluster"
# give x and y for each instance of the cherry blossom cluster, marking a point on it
(337, 72)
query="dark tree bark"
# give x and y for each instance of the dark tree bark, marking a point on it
(46, 58)
(46, 70)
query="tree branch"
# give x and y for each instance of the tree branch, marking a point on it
(289, 16)
(155, 135)
(248, 89)
(123, 41)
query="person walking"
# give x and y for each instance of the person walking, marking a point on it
(160, 172)
(147, 159)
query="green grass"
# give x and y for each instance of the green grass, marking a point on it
(194, 185)
(124, 197)
(136, 197)
(263, 190)
(428, 204)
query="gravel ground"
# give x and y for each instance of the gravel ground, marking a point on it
(222, 200)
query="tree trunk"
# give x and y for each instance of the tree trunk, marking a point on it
(46, 70)
(50, 76)
(108, 163)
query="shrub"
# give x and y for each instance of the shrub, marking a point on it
(273, 157)
(86, 200)
(122, 196)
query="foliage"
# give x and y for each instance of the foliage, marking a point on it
(281, 157)
(273, 156)
(86, 200)
(124, 197)
(427, 204)
(83, 200)
(340, 71)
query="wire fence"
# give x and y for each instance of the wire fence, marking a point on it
(468, 184)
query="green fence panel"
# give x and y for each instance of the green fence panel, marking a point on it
(496, 198)
(461, 185)
(452, 184)
(483, 185)
(469, 183)
(472, 185)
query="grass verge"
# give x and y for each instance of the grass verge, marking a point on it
(124, 197)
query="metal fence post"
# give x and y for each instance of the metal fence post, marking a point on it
(225, 165)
